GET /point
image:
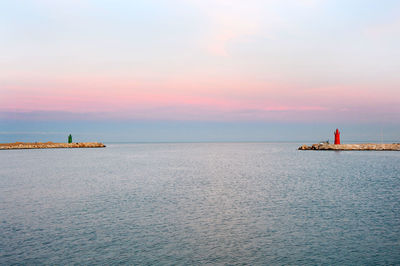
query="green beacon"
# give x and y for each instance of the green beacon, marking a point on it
(70, 138)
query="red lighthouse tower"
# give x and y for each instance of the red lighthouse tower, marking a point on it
(337, 136)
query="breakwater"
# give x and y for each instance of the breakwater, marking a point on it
(352, 147)
(49, 145)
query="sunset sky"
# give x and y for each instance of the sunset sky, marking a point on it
(161, 70)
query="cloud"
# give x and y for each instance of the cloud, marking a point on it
(228, 21)
(233, 20)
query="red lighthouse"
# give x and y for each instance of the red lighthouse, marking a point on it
(337, 136)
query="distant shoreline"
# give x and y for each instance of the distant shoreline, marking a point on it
(352, 147)
(49, 145)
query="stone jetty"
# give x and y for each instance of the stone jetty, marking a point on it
(352, 147)
(49, 145)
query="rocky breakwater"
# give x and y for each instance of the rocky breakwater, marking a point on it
(352, 147)
(49, 145)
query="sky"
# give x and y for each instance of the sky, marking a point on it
(199, 70)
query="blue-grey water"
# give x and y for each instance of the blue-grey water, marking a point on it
(199, 203)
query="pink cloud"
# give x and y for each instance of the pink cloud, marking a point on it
(194, 98)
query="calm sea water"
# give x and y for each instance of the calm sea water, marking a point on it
(204, 203)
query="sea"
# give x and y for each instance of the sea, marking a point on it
(199, 203)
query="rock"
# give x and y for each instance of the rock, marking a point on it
(48, 145)
(353, 147)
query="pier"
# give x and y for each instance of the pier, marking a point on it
(49, 145)
(352, 147)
